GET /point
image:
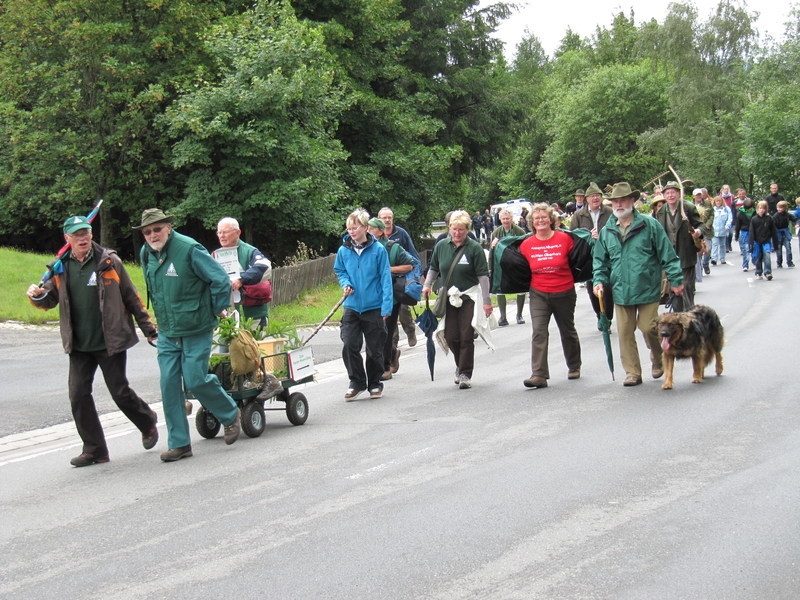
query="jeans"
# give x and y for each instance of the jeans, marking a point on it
(718, 247)
(744, 246)
(762, 258)
(784, 241)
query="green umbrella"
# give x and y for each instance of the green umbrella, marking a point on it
(604, 325)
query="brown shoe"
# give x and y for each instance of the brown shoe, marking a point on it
(395, 366)
(632, 380)
(386, 375)
(174, 454)
(576, 374)
(86, 459)
(150, 439)
(232, 430)
(535, 382)
(189, 408)
(657, 371)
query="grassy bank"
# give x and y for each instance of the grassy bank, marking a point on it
(20, 269)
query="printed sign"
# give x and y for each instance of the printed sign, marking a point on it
(301, 363)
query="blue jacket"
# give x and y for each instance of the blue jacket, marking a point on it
(723, 220)
(368, 274)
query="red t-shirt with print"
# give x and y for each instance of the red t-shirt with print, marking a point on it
(550, 271)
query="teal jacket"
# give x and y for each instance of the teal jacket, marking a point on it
(187, 287)
(633, 264)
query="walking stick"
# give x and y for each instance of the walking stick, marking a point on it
(325, 320)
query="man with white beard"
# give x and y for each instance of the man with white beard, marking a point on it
(189, 290)
(630, 253)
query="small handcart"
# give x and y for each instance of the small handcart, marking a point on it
(256, 392)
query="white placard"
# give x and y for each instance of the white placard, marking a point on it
(301, 363)
(228, 258)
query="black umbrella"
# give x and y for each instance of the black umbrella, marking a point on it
(604, 325)
(428, 322)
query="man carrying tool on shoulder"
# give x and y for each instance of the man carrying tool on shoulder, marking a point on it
(97, 302)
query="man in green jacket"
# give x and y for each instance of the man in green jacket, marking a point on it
(682, 223)
(630, 253)
(189, 289)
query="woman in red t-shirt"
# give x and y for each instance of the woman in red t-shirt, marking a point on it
(552, 294)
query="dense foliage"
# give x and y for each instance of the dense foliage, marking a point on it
(288, 114)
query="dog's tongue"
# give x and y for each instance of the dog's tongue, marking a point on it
(664, 343)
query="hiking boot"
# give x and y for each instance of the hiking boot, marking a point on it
(713, 262)
(386, 375)
(86, 459)
(632, 380)
(232, 430)
(520, 320)
(535, 382)
(503, 322)
(707, 269)
(657, 371)
(351, 394)
(769, 277)
(412, 339)
(150, 439)
(463, 382)
(395, 366)
(174, 454)
(376, 393)
(574, 374)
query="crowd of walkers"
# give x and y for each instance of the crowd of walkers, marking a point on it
(629, 251)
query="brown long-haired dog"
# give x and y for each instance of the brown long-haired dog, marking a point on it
(697, 333)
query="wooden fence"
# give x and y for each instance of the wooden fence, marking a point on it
(289, 282)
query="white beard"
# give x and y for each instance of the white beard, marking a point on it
(623, 213)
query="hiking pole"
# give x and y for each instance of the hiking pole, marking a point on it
(325, 320)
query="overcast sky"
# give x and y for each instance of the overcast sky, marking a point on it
(548, 20)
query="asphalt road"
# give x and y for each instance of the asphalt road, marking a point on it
(584, 489)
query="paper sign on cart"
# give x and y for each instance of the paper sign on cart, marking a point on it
(301, 363)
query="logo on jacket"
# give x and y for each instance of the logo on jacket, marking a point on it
(92, 280)
(171, 272)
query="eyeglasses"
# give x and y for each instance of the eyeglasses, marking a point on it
(540, 219)
(156, 229)
(355, 228)
(230, 231)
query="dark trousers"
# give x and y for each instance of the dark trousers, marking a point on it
(82, 367)
(357, 328)
(560, 305)
(391, 337)
(458, 333)
(608, 300)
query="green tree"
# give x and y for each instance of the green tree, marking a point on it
(256, 133)
(596, 126)
(770, 125)
(81, 83)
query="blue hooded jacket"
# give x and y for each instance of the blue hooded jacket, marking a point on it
(368, 274)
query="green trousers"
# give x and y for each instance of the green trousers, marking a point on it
(185, 360)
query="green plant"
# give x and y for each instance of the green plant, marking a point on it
(226, 331)
(302, 254)
(284, 329)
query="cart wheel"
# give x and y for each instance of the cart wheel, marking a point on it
(253, 421)
(206, 423)
(297, 409)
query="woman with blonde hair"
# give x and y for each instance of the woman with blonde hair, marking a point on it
(552, 293)
(462, 264)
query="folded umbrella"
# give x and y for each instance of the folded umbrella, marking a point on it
(604, 325)
(428, 323)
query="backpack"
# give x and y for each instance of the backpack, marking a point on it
(407, 288)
